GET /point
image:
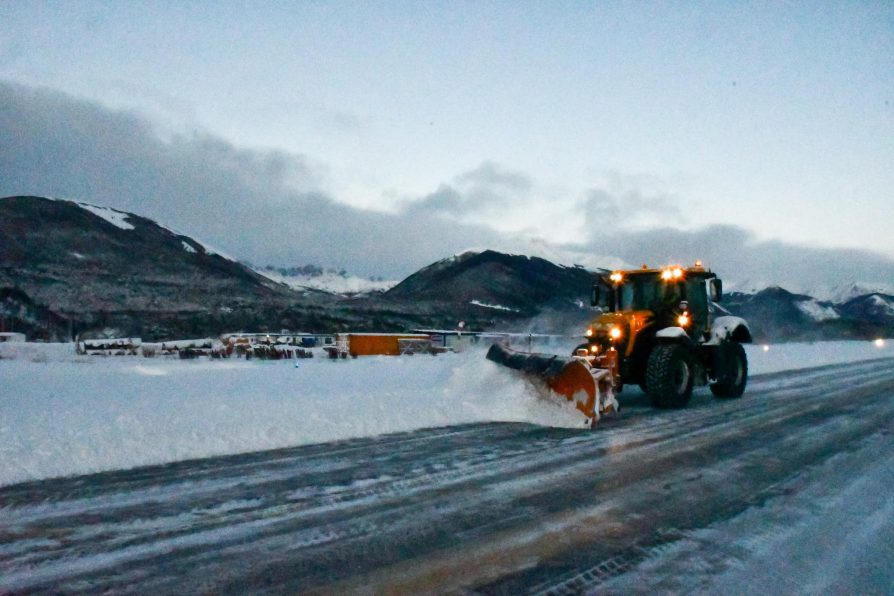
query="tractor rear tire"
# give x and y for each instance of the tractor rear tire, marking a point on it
(669, 375)
(731, 381)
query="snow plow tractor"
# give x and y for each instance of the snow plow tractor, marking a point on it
(658, 329)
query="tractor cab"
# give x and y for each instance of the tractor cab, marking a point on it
(667, 297)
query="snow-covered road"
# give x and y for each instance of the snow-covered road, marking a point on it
(790, 482)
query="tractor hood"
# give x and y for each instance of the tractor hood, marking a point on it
(619, 329)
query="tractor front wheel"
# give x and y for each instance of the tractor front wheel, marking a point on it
(669, 376)
(732, 378)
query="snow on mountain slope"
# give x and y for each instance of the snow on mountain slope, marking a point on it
(493, 306)
(113, 216)
(833, 293)
(119, 220)
(817, 311)
(841, 293)
(329, 281)
(885, 305)
(207, 248)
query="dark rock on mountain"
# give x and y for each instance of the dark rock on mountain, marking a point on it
(20, 314)
(872, 315)
(489, 288)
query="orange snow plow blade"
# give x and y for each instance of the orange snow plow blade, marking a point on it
(588, 388)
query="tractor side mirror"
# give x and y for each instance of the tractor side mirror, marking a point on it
(716, 289)
(596, 296)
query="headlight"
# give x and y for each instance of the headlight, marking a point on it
(589, 332)
(683, 319)
(615, 332)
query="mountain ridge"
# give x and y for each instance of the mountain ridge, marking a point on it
(89, 269)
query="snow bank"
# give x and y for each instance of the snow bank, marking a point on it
(77, 416)
(63, 414)
(768, 358)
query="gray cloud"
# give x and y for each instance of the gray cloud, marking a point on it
(480, 191)
(260, 206)
(494, 179)
(265, 206)
(630, 208)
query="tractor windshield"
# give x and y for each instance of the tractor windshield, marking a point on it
(649, 293)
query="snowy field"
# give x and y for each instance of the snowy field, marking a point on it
(63, 414)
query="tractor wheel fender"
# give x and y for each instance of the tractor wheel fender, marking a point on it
(672, 333)
(729, 329)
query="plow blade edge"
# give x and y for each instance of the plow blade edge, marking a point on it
(570, 377)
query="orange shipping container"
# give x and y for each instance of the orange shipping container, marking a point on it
(370, 344)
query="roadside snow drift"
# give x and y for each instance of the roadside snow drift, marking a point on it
(72, 417)
(62, 414)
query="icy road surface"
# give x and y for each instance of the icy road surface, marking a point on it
(785, 490)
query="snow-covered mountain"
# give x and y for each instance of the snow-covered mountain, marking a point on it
(332, 282)
(872, 308)
(841, 293)
(835, 293)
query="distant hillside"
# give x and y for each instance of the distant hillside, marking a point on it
(19, 313)
(776, 314)
(489, 288)
(495, 280)
(873, 314)
(99, 267)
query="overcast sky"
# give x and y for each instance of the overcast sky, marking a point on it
(381, 136)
